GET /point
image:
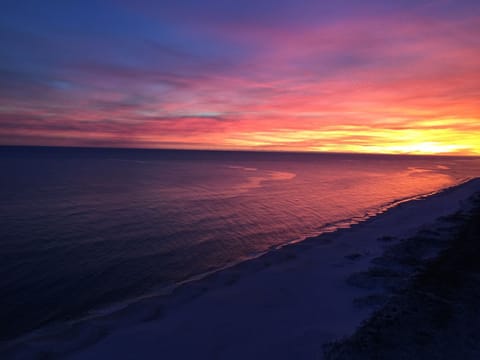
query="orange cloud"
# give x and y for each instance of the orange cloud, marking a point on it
(391, 85)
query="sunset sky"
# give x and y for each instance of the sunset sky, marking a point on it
(342, 76)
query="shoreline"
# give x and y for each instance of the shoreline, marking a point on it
(159, 292)
(344, 252)
(328, 228)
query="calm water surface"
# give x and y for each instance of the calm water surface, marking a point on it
(83, 228)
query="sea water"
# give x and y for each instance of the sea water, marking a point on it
(82, 229)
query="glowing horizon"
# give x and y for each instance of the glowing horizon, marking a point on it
(359, 78)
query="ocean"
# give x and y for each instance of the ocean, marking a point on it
(83, 230)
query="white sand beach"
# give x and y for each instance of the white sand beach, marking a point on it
(285, 304)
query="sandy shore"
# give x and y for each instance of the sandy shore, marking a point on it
(286, 304)
(436, 316)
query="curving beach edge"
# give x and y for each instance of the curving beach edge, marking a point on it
(356, 293)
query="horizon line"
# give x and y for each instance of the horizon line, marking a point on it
(244, 150)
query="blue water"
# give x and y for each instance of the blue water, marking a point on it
(85, 228)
